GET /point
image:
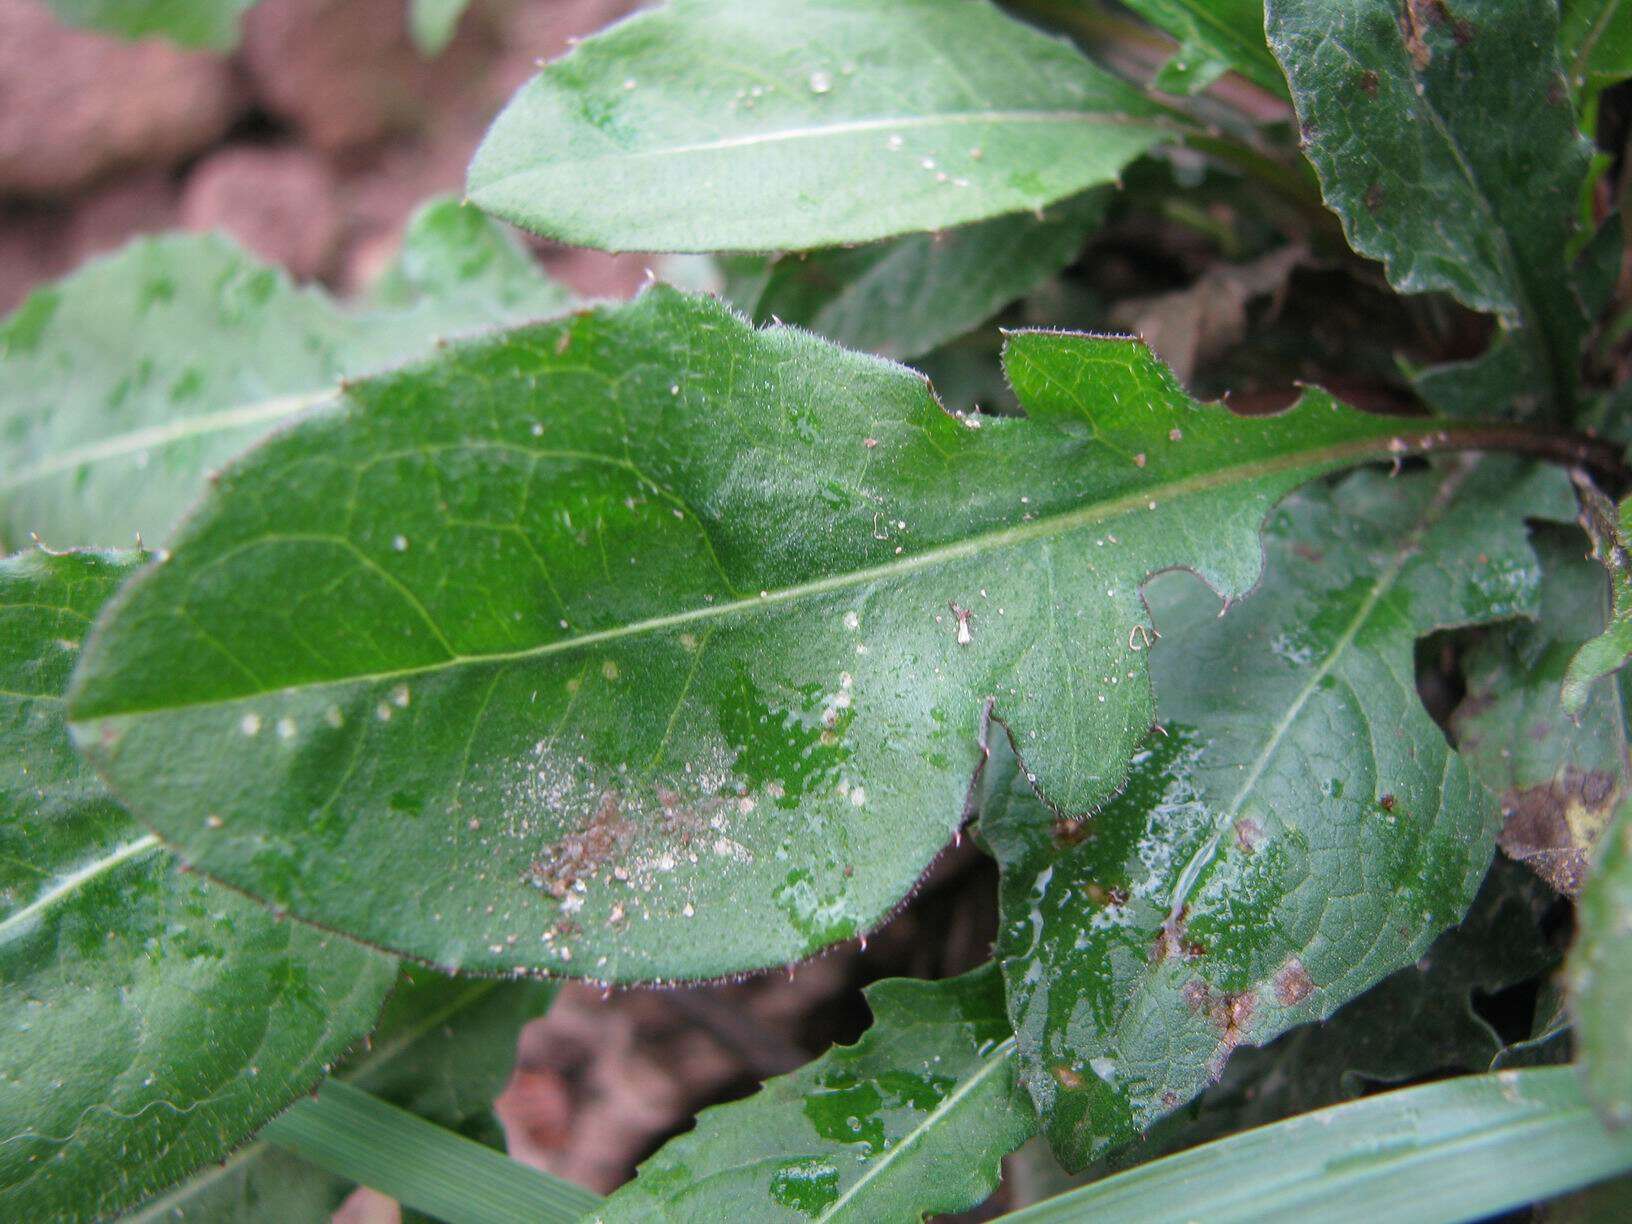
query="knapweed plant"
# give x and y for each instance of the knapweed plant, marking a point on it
(475, 637)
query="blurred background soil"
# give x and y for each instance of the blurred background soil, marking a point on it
(311, 145)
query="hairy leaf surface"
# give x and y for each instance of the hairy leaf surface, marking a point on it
(192, 23)
(1560, 776)
(443, 1048)
(904, 296)
(1214, 36)
(122, 385)
(1301, 831)
(1600, 975)
(790, 124)
(913, 1119)
(667, 645)
(152, 1021)
(1444, 139)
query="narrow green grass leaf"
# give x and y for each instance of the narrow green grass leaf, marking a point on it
(357, 1136)
(1443, 1153)
(1610, 528)
(1599, 974)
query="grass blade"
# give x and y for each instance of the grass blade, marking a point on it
(1456, 1150)
(421, 1165)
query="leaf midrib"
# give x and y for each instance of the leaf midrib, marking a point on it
(71, 883)
(1423, 436)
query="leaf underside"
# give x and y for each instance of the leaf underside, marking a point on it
(152, 1021)
(1302, 829)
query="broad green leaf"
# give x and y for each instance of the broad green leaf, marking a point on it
(1461, 1149)
(152, 1021)
(904, 296)
(443, 1049)
(1420, 1022)
(1595, 42)
(1300, 831)
(1444, 140)
(790, 124)
(192, 23)
(1600, 974)
(122, 385)
(1214, 36)
(913, 1119)
(1610, 527)
(1559, 776)
(647, 644)
(432, 23)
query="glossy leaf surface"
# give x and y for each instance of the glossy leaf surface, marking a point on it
(904, 296)
(791, 124)
(1214, 36)
(1559, 776)
(913, 1119)
(1301, 831)
(666, 644)
(151, 1021)
(192, 23)
(1400, 111)
(122, 385)
(1600, 975)
(443, 1048)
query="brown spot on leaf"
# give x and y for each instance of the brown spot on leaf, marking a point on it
(1553, 828)
(1067, 1078)
(1374, 197)
(1249, 834)
(585, 852)
(1369, 83)
(1386, 802)
(1293, 984)
(1170, 938)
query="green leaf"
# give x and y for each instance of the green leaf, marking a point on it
(443, 1048)
(152, 1021)
(1214, 36)
(1461, 1149)
(1302, 829)
(358, 1136)
(789, 124)
(432, 23)
(1444, 140)
(904, 296)
(1595, 41)
(1559, 777)
(662, 646)
(1599, 974)
(913, 1119)
(1609, 527)
(122, 385)
(192, 23)
(1421, 1022)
